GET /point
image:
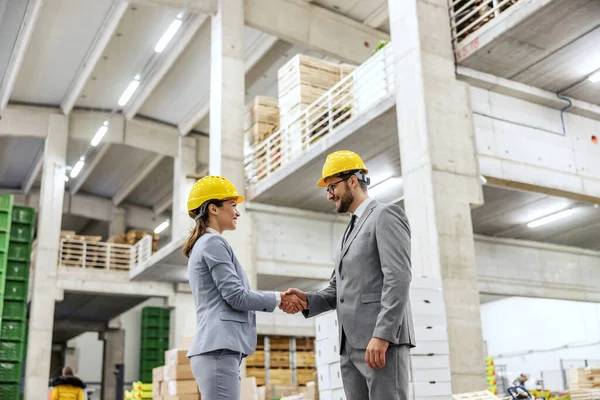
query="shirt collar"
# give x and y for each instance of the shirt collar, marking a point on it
(362, 207)
(211, 230)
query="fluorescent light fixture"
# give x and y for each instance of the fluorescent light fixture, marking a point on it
(66, 178)
(384, 186)
(100, 134)
(168, 35)
(550, 218)
(129, 91)
(77, 168)
(595, 77)
(483, 179)
(161, 227)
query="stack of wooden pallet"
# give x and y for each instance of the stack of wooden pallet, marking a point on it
(90, 252)
(584, 383)
(261, 119)
(134, 236)
(305, 360)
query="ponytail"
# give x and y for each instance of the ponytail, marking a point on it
(200, 226)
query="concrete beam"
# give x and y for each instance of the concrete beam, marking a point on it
(163, 205)
(136, 179)
(105, 33)
(164, 64)
(314, 27)
(199, 6)
(78, 182)
(18, 52)
(33, 174)
(79, 325)
(378, 16)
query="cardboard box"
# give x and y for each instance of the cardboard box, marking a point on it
(183, 397)
(179, 388)
(186, 342)
(178, 372)
(176, 356)
(248, 389)
(156, 388)
(157, 374)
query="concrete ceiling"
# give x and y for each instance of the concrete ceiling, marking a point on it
(555, 49)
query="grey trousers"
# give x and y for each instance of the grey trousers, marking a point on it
(217, 374)
(364, 383)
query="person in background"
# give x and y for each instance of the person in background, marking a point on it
(520, 381)
(67, 386)
(225, 304)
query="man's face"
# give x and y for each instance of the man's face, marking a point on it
(338, 191)
(523, 378)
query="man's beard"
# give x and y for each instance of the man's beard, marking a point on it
(345, 201)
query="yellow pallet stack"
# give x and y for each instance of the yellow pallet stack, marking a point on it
(490, 370)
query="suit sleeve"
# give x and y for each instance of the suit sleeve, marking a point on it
(393, 242)
(219, 259)
(323, 300)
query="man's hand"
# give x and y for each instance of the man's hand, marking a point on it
(293, 301)
(375, 356)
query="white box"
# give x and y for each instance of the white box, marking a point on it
(429, 362)
(430, 375)
(335, 375)
(325, 395)
(339, 394)
(326, 326)
(430, 347)
(431, 332)
(432, 389)
(425, 283)
(427, 307)
(327, 351)
(324, 377)
(420, 320)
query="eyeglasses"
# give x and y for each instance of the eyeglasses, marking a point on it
(331, 187)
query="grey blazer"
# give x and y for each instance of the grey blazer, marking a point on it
(370, 284)
(225, 305)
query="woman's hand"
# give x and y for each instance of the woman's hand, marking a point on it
(293, 302)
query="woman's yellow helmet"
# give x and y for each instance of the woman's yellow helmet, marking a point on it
(212, 188)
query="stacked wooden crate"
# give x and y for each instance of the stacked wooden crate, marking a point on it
(261, 121)
(584, 383)
(134, 236)
(305, 360)
(90, 252)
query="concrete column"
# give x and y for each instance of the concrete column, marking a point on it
(226, 116)
(117, 224)
(183, 316)
(114, 353)
(440, 174)
(41, 317)
(185, 165)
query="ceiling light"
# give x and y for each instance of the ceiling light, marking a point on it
(483, 179)
(595, 77)
(550, 218)
(77, 168)
(100, 134)
(161, 227)
(167, 36)
(129, 91)
(66, 178)
(384, 186)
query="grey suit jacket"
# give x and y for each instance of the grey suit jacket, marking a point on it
(370, 284)
(224, 303)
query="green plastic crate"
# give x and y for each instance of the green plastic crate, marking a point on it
(15, 290)
(3, 262)
(17, 271)
(9, 391)
(152, 312)
(5, 221)
(23, 215)
(11, 351)
(14, 310)
(152, 332)
(10, 372)
(155, 343)
(21, 233)
(4, 241)
(12, 331)
(6, 202)
(19, 252)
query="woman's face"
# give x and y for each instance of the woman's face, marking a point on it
(227, 215)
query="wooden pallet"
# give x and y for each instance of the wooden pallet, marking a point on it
(302, 69)
(305, 359)
(276, 376)
(482, 395)
(305, 375)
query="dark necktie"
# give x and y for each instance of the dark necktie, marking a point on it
(350, 227)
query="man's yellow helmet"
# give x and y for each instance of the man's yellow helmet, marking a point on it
(212, 188)
(339, 162)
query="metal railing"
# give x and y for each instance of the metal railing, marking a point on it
(102, 255)
(468, 16)
(359, 91)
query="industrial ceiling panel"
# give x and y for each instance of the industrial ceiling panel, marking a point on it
(126, 54)
(157, 186)
(62, 36)
(11, 16)
(18, 155)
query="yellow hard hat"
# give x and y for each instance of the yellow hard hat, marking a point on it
(341, 161)
(212, 188)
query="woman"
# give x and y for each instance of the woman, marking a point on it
(67, 386)
(225, 305)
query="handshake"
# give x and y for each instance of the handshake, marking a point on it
(293, 301)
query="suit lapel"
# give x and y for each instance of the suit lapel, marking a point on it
(355, 231)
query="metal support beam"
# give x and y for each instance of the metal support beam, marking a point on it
(105, 33)
(19, 49)
(78, 182)
(136, 179)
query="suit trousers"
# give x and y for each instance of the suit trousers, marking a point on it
(364, 383)
(217, 374)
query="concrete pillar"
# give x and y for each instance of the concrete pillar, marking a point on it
(114, 353)
(41, 318)
(183, 316)
(117, 224)
(227, 116)
(185, 165)
(440, 174)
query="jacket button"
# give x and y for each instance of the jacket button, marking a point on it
(341, 300)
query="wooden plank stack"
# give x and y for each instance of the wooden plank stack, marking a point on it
(90, 252)
(305, 360)
(134, 236)
(261, 119)
(584, 383)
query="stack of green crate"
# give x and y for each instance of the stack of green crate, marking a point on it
(155, 340)
(14, 307)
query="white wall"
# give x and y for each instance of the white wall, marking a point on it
(532, 335)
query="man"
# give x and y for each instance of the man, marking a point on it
(369, 286)
(520, 381)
